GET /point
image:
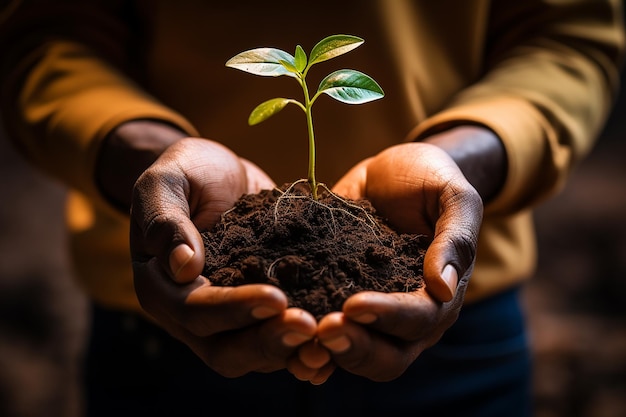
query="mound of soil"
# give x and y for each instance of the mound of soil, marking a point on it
(318, 252)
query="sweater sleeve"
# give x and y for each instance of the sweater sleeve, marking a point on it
(65, 86)
(550, 79)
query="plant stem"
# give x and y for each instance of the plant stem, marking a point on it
(309, 121)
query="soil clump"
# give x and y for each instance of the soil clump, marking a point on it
(319, 252)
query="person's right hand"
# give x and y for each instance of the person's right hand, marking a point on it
(234, 330)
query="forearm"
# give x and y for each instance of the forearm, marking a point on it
(126, 152)
(480, 155)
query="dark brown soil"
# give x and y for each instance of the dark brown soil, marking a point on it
(319, 252)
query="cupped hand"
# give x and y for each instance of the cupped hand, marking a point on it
(234, 330)
(421, 190)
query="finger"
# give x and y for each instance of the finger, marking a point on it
(233, 354)
(211, 309)
(323, 374)
(264, 347)
(257, 179)
(406, 316)
(316, 376)
(363, 352)
(313, 355)
(299, 370)
(195, 306)
(352, 184)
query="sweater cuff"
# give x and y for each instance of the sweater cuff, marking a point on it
(71, 101)
(528, 139)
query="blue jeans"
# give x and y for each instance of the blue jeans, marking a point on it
(481, 367)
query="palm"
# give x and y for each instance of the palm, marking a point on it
(420, 189)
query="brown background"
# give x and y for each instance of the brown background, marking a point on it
(575, 304)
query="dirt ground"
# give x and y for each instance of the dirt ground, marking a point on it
(575, 305)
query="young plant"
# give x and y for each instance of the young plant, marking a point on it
(345, 85)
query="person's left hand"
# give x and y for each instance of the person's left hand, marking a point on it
(420, 189)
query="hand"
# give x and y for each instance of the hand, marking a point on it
(420, 189)
(234, 330)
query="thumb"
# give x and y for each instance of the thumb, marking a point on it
(186, 263)
(450, 258)
(162, 228)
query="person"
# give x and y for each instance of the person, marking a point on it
(489, 106)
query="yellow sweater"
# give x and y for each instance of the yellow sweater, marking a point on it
(541, 74)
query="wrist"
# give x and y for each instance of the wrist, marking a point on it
(126, 152)
(479, 153)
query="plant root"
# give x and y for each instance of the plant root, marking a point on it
(348, 208)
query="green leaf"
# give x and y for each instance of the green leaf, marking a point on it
(350, 86)
(300, 58)
(266, 110)
(289, 67)
(263, 61)
(333, 46)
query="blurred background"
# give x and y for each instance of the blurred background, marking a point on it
(576, 304)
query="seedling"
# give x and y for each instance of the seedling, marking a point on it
(345, 85)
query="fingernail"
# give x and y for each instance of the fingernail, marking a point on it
(366, 318)
(318, 381)
(294, 339)
(451, 277)
(180, 256)
(263, 312)
(338, 345)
